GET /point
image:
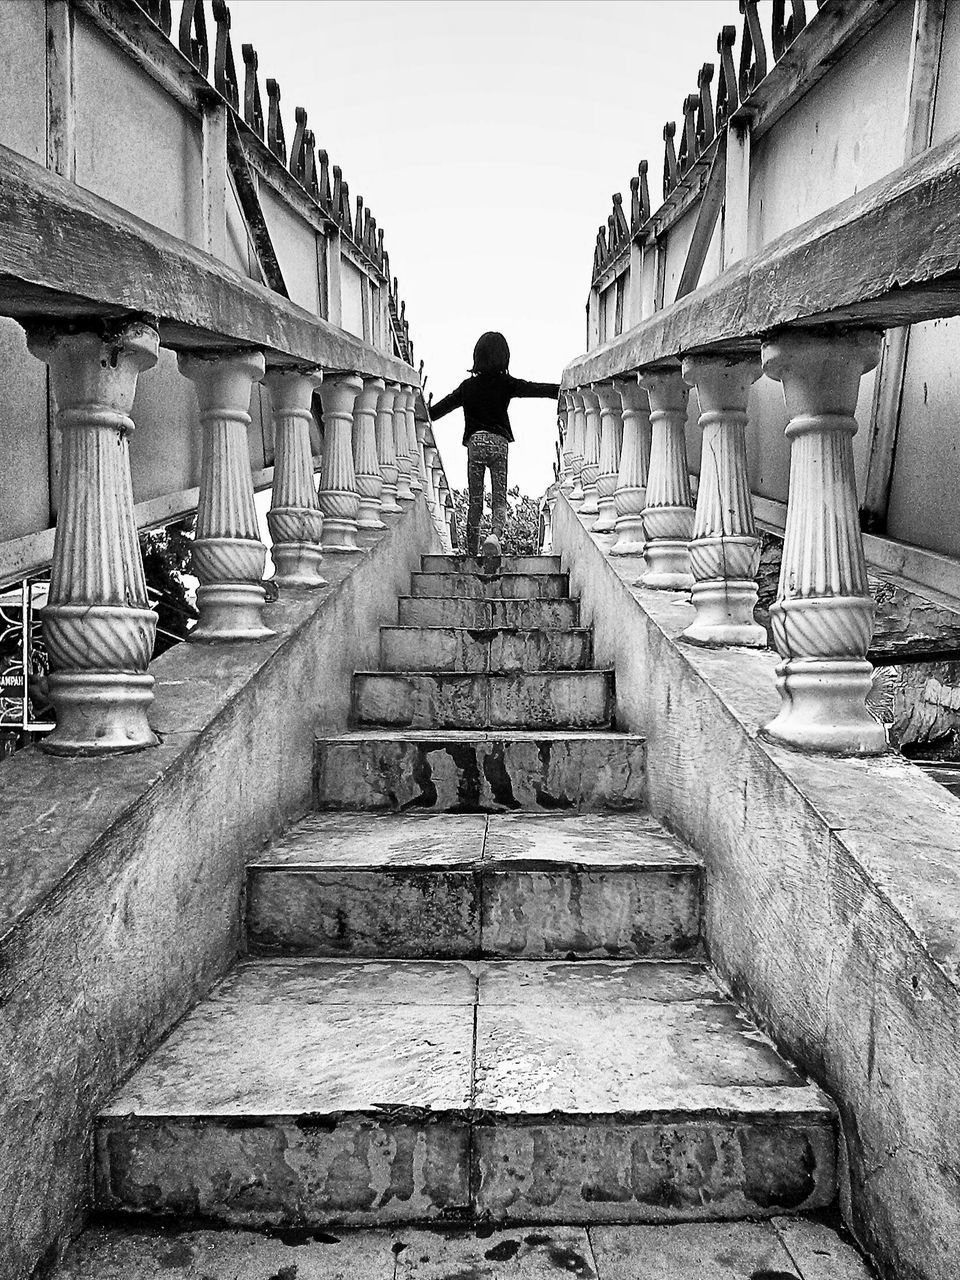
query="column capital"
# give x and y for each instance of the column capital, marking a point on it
(722, 382)
(632, 395)
(291, 390)
(608, 397)
(223, 378)
(666, 388)
(96, 368)
(338, 391)
(821, 369)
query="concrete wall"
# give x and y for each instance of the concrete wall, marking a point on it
(122, 877)
(832, 902)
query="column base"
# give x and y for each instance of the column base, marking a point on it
(725, 615)
(607, 519)
(297, 565)
(99, 713)
(576, 498)
(631, 537)
(230, 611)
(668, 566)
(390, 507)
(340, 537)
(824, 707)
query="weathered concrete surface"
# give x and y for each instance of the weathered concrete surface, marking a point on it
(121, 876)
(474, 564)
(466, 649)
(455, 700)
(501, 586)
(447, 885)
(370, 885)
(778, 1249)
(832, 903)
(519, 615)
(307, 1092)
(607, 885)
(477, 772)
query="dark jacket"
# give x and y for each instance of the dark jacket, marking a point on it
(484, 398)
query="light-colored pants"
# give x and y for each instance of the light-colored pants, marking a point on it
(486, 449)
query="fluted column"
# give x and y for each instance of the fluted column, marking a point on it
(565, 418)
(401, 436)
(294, 519)
(98, 626)
(823, 617)
(413, 442)
(446, 511)
(579, 432)
(339, 500)
(668, 514)
(725, 551)
(631, 493)
(387, 450)
(228, 557)
(611, 429)
(431, 460)
(366, 464)
(591, 454)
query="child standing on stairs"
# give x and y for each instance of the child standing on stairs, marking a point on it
(484, 398)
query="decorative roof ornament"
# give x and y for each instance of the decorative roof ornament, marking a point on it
(275, 139)
(252, 102)
(224, 68)
(728, 98)
(785, 32)
(753, 53)
(192, 35)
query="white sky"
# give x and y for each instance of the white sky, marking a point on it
(487, 138)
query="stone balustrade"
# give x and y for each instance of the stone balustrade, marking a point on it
(822, 619)
(99, 628)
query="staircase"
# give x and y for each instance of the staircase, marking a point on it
(475, 996)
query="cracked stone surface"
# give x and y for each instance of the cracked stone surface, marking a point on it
(550, 770)
(502, 586)
(460, 700)
(476, 649)
(316, 1092)
(519, 615)
(779, 1249)
(436, 885)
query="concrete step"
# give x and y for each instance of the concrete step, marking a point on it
(463, 885)
(480, 772)
(317, 1092)
(501, 586)
(462, 700)
(515, 615)
(469, 649)
(788, 1248)
(473, 564)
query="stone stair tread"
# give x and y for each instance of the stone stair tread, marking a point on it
(328, 1038)
(447, 841)
(791, 1248)
(474, 564)
(788, 1248)
(381, 734)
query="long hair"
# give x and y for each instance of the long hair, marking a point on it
(491, 354)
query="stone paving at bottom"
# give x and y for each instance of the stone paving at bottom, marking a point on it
(779, 1249)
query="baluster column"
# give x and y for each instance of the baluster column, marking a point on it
(591, 454)
(631, 494)
(611, 428)
(366, 464)
(339, 500)
(668, 515)
(228, 556)
(577, 446)
(432, 461)
(413, 441)
(98, 625)
(566, 418)
(294, 519)
(823, 617)
(387, 450)
(401, 437)
(446, 511)
(725, 551)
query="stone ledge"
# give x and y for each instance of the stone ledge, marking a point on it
(832, 900)
(122, 877)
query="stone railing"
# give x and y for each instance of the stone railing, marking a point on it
(229, 334)
(808, 311)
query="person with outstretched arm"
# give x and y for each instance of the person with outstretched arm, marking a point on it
(484, 398)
